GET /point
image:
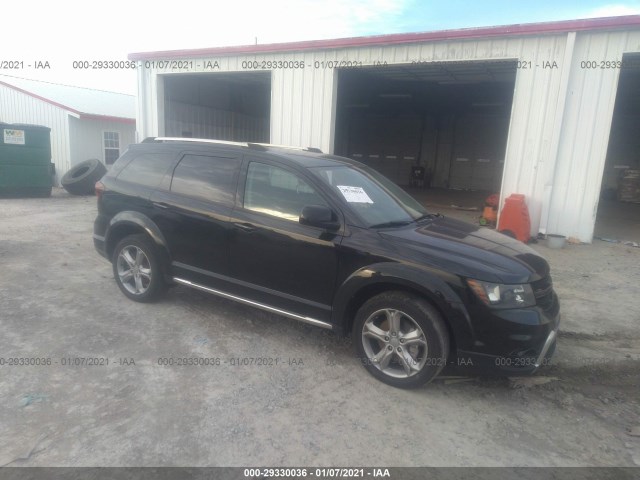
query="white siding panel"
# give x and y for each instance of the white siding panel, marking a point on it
(585, 133)
(18, 107)
(533, 113)
(150, 104)
(87, 138)
(302, 104)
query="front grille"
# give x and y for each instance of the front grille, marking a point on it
(545, 297)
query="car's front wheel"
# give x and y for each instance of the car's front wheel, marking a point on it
(136, 268)
(401, 339)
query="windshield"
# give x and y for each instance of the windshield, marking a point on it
(375, 199)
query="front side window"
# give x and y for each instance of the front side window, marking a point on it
(111, 142)
(206, 177)
(374, 198)
(278, 192)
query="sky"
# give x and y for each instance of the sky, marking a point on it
(55, 34)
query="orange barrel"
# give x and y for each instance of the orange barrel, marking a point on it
(514, 218)
(492, 200)
(490, 214)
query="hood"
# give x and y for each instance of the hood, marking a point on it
(468, 250)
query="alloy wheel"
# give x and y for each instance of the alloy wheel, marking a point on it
(134, 269)
(394, 343)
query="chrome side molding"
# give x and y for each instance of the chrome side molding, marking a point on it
(311, 321)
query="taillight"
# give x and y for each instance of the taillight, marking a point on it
(100, 188)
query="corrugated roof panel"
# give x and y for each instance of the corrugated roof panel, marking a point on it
(78, 99)
(384, 41)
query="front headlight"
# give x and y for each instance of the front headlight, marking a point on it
(497, 295)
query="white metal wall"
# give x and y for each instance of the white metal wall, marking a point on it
(559, 122)
(303, 103)
(18, 107)
(86, 138)
(149, 104)
(584, 133)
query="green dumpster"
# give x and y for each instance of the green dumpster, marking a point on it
(25, 160)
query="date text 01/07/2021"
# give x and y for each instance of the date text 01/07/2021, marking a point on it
(317, 472)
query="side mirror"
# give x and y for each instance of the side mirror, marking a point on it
(319, 216)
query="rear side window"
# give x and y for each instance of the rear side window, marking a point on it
(206, 177)
(121, 162)
(147, 169)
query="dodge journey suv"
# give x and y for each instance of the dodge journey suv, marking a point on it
(327, 241)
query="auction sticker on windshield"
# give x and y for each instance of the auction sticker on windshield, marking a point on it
(354, 194)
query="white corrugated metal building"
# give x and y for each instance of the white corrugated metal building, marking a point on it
(517, 109)
(85, 123)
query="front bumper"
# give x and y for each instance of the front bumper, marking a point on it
(512, 342)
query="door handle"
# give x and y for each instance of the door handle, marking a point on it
(161, 204)
(247, 227)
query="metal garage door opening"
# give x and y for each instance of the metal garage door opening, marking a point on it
(619, 207)
(224, 106)
(451, 118)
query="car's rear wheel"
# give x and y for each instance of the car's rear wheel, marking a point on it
(401, 339)
(137, 269)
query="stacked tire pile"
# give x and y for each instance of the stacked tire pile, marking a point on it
(629, 186)
(81, 179)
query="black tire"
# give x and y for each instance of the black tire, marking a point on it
(427, 360)
(81, 179)
(147, 268)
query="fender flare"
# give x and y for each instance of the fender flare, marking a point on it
(427, 284)
(138, 220)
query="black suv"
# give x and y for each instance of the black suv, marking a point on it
(328, 241)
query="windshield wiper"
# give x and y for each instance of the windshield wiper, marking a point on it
(428, 215)
(402, 223)
(395, 223)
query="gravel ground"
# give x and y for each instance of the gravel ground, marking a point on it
(317, 406)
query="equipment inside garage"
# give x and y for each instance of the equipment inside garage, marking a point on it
(223, 106)
(619, 206)
(450, 118)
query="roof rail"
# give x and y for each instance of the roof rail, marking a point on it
(253, 145)
(195, 140)
(288, 147)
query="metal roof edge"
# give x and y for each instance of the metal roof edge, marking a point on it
(106, 118)
(72, 111)
(399, 38)
(35, 95)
